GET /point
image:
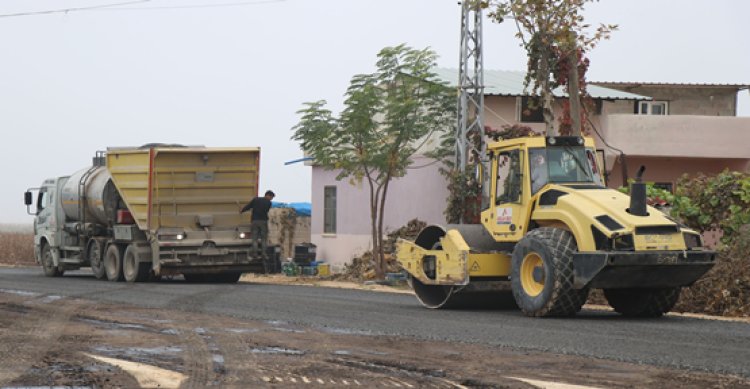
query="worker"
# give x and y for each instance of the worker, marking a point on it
(538, 172)
(259, 221)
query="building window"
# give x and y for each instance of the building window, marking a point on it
(652, 108)
(530, 109)
(329, 210)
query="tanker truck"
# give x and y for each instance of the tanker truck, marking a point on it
(139, 213)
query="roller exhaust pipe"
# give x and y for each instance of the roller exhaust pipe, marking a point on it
(638, 195)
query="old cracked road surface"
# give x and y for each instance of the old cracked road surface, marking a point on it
(714, 346)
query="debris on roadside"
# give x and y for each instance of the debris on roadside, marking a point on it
(362, 268)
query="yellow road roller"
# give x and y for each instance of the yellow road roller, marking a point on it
(550, 230)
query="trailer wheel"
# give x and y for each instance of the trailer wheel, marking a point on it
(195, 278)
(542, 274)
(642, 302)
(133, 270)
(48, 262)
(227, 278)
(113, 263)
(94, 254)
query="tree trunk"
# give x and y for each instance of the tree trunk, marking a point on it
(547, 99)
(574, 93)
(373, 223)
(381, 217)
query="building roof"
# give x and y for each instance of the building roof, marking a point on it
(511, 83)
(673, 84)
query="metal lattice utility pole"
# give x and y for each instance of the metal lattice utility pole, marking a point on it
(470, 83)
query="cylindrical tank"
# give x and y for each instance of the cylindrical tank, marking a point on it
(100, 193)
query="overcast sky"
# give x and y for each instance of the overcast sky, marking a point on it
(74, 83)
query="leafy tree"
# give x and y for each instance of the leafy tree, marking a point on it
(388, 116)
(556, 38)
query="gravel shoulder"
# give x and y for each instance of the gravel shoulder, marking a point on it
(53, 340)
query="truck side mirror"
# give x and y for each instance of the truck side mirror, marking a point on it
(28, 199)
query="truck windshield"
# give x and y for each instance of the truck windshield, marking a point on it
(563, 164)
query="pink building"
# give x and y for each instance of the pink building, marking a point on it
(673, 129)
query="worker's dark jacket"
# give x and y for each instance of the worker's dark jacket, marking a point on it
(260, 207)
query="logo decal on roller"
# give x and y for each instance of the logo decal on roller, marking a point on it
(504, 215)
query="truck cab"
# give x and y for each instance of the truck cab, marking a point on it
(48, 234)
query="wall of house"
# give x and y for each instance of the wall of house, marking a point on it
(686, 100)
(618, 107)
(503, 110)
(421, 194)
(670, 169)
(678, 135)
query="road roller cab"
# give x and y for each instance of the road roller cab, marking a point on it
(549, 231)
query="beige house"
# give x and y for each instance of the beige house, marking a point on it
(672, 129)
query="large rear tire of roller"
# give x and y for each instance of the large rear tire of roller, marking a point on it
(454, 296)
(642, 302)
(542, 274)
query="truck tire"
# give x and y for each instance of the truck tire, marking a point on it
(227, 278)
(113, 262)
(542, 274)
(133, 270)
(48, 262)
(196, 278)
(642, 302)
(94, 255)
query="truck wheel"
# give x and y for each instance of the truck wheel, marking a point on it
(94, 255)
(542, 274)
(228, 278)
(133, 270)
(113, 263)
(195, 278)
(48, 262)
(642, 302)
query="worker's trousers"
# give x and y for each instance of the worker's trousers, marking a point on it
(259, 231)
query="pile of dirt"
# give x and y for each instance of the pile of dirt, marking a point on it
(17, 249)
(363, 267)
(725, 289)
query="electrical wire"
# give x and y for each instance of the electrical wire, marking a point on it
(588, 119)
(488, 109)
(113, 7)
(75, 9)
(194, 6)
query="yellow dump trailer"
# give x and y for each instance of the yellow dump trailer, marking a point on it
(142, 212)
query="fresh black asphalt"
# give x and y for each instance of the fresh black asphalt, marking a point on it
(695, 344)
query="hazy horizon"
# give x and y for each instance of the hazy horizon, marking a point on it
(75, 83)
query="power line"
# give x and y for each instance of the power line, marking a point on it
(66, 10)
(112, 7)
(235, 4)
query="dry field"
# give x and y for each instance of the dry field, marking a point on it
(17, 248)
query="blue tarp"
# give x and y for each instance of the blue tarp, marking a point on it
(302, 209)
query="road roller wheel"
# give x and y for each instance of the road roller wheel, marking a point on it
(542, 274)
(642, 302)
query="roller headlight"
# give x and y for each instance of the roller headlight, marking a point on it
(623, 242)
(692, 240)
